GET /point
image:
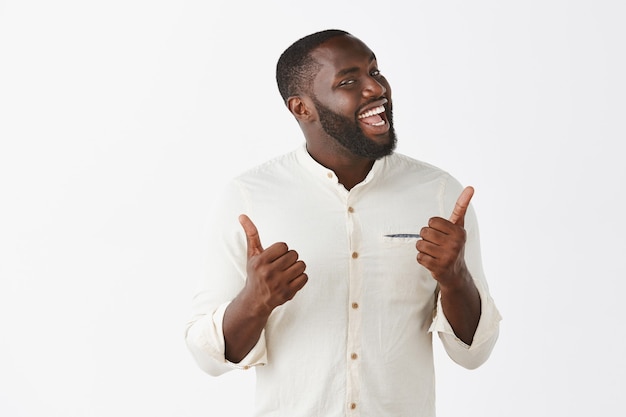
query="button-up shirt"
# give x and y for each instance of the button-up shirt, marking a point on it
(356, 340)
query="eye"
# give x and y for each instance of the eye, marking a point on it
(375, 73)
(347, 82)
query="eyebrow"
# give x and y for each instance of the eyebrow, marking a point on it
(345, 71)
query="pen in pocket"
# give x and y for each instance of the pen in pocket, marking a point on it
(404, 235)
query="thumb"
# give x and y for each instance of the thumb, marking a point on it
(252, 236)
(461, 205)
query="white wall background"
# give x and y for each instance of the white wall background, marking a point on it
(119, 118)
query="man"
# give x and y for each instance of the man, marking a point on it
(333, 264)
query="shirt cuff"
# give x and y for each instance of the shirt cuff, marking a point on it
(256, 357)
(488, 325)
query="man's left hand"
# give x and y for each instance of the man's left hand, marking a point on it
(441, 249)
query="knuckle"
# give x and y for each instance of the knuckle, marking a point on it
(300, 267)
(254, 263)
(264, 272)
(287, 293)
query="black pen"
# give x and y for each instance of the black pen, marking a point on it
(404, 235)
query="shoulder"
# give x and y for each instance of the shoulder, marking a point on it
(404, 165)
(410, 172)
(405, 161)
(272, 168)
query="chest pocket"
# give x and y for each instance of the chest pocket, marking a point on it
(400, 272)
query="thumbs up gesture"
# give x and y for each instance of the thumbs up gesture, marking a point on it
(275, 274)
(442, 247)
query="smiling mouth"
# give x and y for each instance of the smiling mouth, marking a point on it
(372, 116)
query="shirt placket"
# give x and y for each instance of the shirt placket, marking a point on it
(353, 347)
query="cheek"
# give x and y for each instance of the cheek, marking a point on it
(347, 105)
(338, 98)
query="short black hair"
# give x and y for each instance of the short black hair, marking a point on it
(295, 66)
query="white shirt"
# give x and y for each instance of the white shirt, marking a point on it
(356, 340)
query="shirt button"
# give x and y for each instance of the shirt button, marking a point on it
(329, 174)
(355, 305)
(350, 209)
(354, 356)
(353, 406)
(355, 255)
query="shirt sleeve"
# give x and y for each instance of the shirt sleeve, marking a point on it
(485, 338)
(486, 335)
(224, 278)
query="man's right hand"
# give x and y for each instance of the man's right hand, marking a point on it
(275, 274)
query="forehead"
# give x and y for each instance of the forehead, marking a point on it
(342, 53)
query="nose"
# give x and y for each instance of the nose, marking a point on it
(374, 88)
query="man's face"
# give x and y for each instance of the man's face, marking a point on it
(353, 99)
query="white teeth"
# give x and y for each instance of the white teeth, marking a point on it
(382, 122)
(377, 110)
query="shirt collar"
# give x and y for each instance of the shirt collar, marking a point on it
(326, 174)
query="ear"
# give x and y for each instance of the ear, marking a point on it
(301, 108)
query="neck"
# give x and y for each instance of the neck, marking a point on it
(351, 176)
(350, 169)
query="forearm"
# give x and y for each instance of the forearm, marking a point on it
(242, 326)
(461, 306)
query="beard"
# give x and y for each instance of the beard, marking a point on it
(349, 134)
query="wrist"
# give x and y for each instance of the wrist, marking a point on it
(457, 285)
(254, 304)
